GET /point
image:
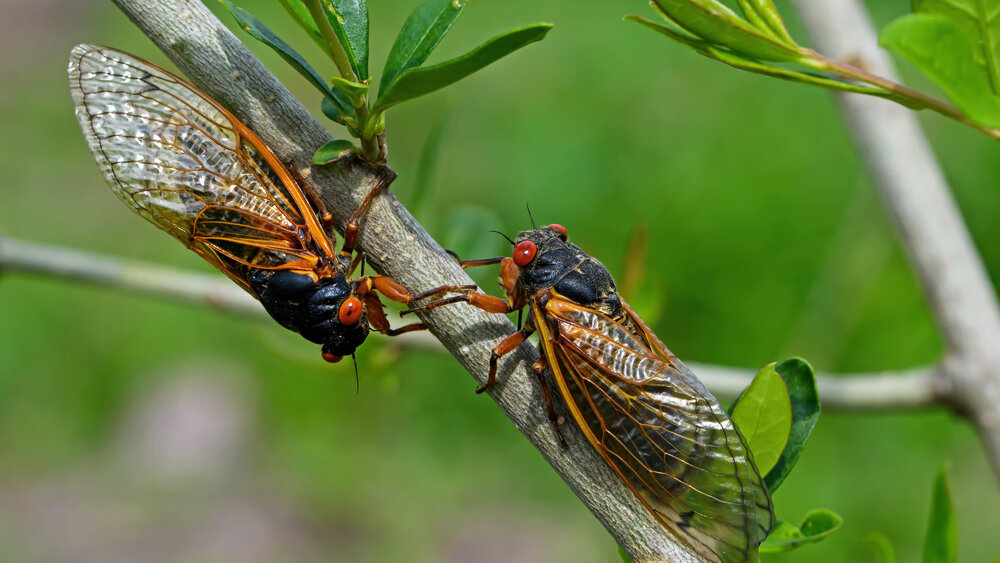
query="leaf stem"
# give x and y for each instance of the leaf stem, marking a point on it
(917, 99)
(369, 146)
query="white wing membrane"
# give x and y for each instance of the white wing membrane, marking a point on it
(181, 161)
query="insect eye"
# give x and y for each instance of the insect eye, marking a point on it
(350, 311)
(560, 229)
(524, 253)
(332, 358)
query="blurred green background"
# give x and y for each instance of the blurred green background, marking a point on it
(137, 429)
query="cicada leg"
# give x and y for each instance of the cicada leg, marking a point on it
(539, 367)
(506, 346)
(325, 217)
(386, 176)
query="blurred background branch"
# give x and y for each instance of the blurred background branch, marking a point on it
(914, 190)
(855, 391)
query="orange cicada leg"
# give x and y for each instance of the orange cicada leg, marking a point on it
(506, 346)
(378, 320)
(386, 177)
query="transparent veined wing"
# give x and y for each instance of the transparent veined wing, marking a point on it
(180, 160)
(658, 427)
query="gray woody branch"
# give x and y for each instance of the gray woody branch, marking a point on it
(858, 391)
(396, 245)
(913, 188)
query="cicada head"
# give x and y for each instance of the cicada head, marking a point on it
(543, 256)
(334, 316)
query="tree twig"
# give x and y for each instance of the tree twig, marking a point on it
(913, 188)
(215, 60)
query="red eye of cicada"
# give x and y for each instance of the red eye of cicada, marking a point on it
(560, 229)
(524, 253)
(350, 311)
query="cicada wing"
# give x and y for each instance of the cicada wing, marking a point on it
(667, 437)
(184, 163)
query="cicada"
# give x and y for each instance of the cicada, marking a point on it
(638, 405)
(181, 161)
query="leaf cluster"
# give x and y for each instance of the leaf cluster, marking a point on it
(954, 42)
(341, 28)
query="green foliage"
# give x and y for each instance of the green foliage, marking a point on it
(423, 30)
(816, 526)
(341, 28)
(332, 150)
(764, 416)
(417, 82)
(944, 50)
(798, 376)
(356, 91)
(941, 543)
(955, 42)
(260, 32)
(777, 413)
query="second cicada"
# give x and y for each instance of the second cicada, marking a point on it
(184, 163)
(639, 406)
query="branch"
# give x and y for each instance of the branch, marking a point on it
(961, 296)
(861, 391)
(216, 61)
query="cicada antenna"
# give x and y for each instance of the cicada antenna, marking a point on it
(526, 204)
(503, 235)
(357, 381)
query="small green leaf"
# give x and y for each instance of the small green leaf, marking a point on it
(763, 413)
(624, 556)
(354, 90)
(816, 526)
(884, 551)
(349, 20)
(941, 544)
(332, 150)
(798, 376)
(419, 81)
(943, 51)
(765, 17)
(260, 32)
(717, 24)
(421, 33)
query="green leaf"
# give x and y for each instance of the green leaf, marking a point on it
(942, 50)
(763, 413)
(798, 376)
(624, 556)
(354, 90)
(816, 526)
(419, 81)
(765, 17)
(421, 33)
(716, 24)
(884, 551)
(941, 544)
(979, 20)
(332, 150)
(349, 20)
(757, 67)
(260, 32)
(301, 15)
